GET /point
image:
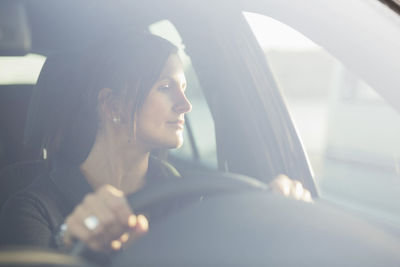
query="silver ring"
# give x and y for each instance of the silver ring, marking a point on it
(91, 222)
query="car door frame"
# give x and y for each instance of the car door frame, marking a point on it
(254, 132)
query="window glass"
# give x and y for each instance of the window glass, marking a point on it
(201, 148)
(20, 70)
(349, 132)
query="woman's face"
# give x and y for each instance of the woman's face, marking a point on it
(160, 121)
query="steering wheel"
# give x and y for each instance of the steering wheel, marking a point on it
(197, 185)
(173, 194)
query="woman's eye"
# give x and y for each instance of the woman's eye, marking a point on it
(164, 87)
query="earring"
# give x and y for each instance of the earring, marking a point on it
(116, 120)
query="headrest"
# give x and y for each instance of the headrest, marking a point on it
(48, 93)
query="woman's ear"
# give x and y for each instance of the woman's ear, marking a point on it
(109, 105)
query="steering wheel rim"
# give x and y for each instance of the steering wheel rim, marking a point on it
(34, 256)
(202, 183)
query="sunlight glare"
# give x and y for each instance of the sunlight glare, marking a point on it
(274, 35)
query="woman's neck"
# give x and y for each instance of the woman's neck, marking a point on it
(116, 164)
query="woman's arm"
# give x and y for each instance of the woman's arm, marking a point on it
(25, 222)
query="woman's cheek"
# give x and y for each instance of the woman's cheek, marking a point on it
(157, 108)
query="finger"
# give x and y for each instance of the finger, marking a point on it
(297, 190)
(117, 203)
(281, 184)
(77, 230)
(142, 224)
(124, 238)
(98, 238)
(117, 244)
(109, 226)
(300, 193)
(307, 196)
(139, 230)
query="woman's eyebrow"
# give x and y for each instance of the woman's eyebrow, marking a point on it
(174, 81)
(169, 78)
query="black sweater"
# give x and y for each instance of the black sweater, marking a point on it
(32, 217)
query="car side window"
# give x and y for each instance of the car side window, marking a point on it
(199, 147)
(349, 132)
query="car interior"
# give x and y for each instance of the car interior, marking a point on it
(52, 31)
(241, 130)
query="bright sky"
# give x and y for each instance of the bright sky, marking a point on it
(272, 34)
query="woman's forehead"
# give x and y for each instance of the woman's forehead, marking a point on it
(173, 68)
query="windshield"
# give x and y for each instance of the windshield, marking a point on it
(350, 133)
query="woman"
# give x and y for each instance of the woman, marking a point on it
(98, 113)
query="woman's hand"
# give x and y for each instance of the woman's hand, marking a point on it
(104, 221)
(290, 188)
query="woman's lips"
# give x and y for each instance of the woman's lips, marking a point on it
(177, 123)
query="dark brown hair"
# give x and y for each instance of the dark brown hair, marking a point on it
(63, 116)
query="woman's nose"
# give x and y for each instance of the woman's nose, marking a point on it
(182, 104)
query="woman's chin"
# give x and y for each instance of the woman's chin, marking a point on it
(175, 143)
(167, 143)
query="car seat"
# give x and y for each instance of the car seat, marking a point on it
(14, 101)
(18, 163)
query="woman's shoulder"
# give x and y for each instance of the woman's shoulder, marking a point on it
(39, 200)
(23, 211)
(17, 176)
(35, 196)
(31, 215)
